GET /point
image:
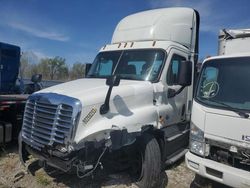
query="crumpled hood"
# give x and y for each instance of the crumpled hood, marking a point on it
(93, 91)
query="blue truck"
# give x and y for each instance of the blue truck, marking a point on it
(9, 67)
(11, 100)
(13, 93)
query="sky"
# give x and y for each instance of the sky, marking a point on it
(77, 29)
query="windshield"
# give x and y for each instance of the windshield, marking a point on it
(224, 83)
(143, 64)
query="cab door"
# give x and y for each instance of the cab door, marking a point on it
(175, 128)
(176, 106)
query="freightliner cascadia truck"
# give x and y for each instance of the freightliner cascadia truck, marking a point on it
(220, 123)
(134, 104)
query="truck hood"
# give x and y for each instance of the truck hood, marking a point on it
(227, 126)
(131, 107)
(92, 91)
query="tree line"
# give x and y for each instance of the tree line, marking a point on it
(54, 68)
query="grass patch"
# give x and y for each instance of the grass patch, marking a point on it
(42, 179)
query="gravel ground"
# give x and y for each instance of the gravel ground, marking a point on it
(13, 174)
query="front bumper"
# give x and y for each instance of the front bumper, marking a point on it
(88, 153)
(64, 164)
(218, 172)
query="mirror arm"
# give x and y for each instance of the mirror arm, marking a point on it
(111, 81)
(105, 107)
(171, 95)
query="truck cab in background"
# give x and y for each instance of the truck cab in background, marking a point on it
(13, 92)
(220, 123)
(9, 67)
(134, 103)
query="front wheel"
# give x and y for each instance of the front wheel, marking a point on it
(149, 155)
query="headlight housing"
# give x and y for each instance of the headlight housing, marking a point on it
(197, 143)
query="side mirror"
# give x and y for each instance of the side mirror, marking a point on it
(87, 68)
(113, 80)
(36, 78)
(185, 75)
(184, 78)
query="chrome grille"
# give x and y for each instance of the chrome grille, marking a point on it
(49, 119)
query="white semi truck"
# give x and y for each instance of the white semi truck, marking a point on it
(220, 123)
(135, 102)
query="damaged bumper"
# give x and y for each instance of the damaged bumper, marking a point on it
(63, 163)
(84, 158)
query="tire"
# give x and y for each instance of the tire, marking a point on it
(150, 173)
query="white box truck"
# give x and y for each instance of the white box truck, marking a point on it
(220, 123)
(134, 104)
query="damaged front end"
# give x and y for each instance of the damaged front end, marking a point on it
(231, 155)
(83, 161)
(49, 127)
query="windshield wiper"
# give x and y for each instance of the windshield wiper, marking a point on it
(239, 112)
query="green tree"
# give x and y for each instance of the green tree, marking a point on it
(50, 68)
(28, 65)
(53, 68)
(56, 65)
(44, 68)
(24, 66)
(77, 71)
(63, 73)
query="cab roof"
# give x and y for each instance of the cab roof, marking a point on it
(166, 24)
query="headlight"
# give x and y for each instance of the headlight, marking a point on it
(197, 147)
(196, 133)
(197, 141)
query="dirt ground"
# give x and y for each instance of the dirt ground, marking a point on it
(13, 174)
